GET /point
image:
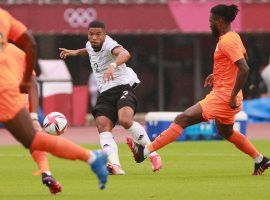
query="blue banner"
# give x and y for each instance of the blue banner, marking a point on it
(258, 110)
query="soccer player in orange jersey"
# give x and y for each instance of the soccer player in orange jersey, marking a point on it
(224, 101)
(12, 104)
(40, 157)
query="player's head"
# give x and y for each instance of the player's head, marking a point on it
(221, 17)
(96, 34)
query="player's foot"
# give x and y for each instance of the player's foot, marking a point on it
(114, 169)
(260, 167)
(53, 185)
(100, 169)
(136, 149)
(156, 162)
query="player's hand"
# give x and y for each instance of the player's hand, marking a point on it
(209, 81)
(37, 126)
(64, 53)
(108, 75)
(25, 86)
(233, 103)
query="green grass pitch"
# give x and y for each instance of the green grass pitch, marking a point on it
(191, 170)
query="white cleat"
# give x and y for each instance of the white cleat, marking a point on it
(115, 169)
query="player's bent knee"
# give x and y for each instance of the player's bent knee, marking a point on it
(102, 128)
(182, 120)
(126, 122)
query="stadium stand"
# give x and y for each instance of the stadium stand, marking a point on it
(111, 1)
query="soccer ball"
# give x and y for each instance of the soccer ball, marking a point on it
(55, 123)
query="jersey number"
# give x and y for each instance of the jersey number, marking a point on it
(96, 67)
(125, 93)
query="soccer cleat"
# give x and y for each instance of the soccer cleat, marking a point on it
(136, 149)
(156, 162)
(53, 185)
(114, 169)
(260, 167)
(100, 169)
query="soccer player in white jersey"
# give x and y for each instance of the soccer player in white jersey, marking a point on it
(117, 100)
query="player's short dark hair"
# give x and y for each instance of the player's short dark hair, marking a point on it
(97, 24)
(228, 12)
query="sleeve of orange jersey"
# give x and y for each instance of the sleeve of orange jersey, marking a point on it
(16, 28)
(232, 47)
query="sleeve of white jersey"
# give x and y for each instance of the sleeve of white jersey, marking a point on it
(111, 45)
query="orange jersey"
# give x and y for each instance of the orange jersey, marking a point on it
(18, 69)
(19, 57)
(10, 29)
(229, 50)
(11, 100)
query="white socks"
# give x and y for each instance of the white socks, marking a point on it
(258, 159)
(140, 136)
(146, 152)
(110, 147)
(92, 157)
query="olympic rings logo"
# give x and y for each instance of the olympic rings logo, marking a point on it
(80, 17)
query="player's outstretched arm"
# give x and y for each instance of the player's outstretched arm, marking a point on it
(64, 53)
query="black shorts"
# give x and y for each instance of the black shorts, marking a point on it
(110, 101)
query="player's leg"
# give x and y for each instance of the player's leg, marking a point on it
(105, 114)
(126, 106)
(244, 145)
(108, 144)
(22, 129)
(138, 133)
(41, 159)
(192, 115)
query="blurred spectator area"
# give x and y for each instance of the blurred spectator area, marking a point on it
(80, 1)
(113, 1)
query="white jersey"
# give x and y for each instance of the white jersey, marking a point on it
(133, 78)
(100, 62)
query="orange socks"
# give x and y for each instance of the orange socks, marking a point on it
(243, 144)
(40, 157)
(59, 146)
(166, 137)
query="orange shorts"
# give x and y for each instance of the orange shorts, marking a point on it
(215, 108)
(11, 102)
